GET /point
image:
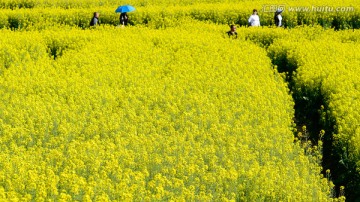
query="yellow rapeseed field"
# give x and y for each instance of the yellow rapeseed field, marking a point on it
(169, 108)
(137, 114)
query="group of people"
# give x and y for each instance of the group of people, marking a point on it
(254, 21)
(124, 18)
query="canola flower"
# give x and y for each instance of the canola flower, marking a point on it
(162, 14)
(324, 64)
(15, 4)
(168, 116)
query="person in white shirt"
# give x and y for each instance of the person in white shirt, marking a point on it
(278, 18)
(254, 19)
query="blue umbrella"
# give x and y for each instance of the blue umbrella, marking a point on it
(124, 9)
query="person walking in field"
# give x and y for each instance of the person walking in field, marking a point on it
(278, 18)
(254, 19)
(232, 33)
(95, 20)
(124, 19)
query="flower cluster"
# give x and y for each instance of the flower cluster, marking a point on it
(137, 114)
(160, 14)
(325, 66)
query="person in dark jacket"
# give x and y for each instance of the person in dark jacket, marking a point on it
(95, 20)
(278, 18)
(124, 19)
(232, 33)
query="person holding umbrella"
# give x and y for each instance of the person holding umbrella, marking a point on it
(124, 18)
